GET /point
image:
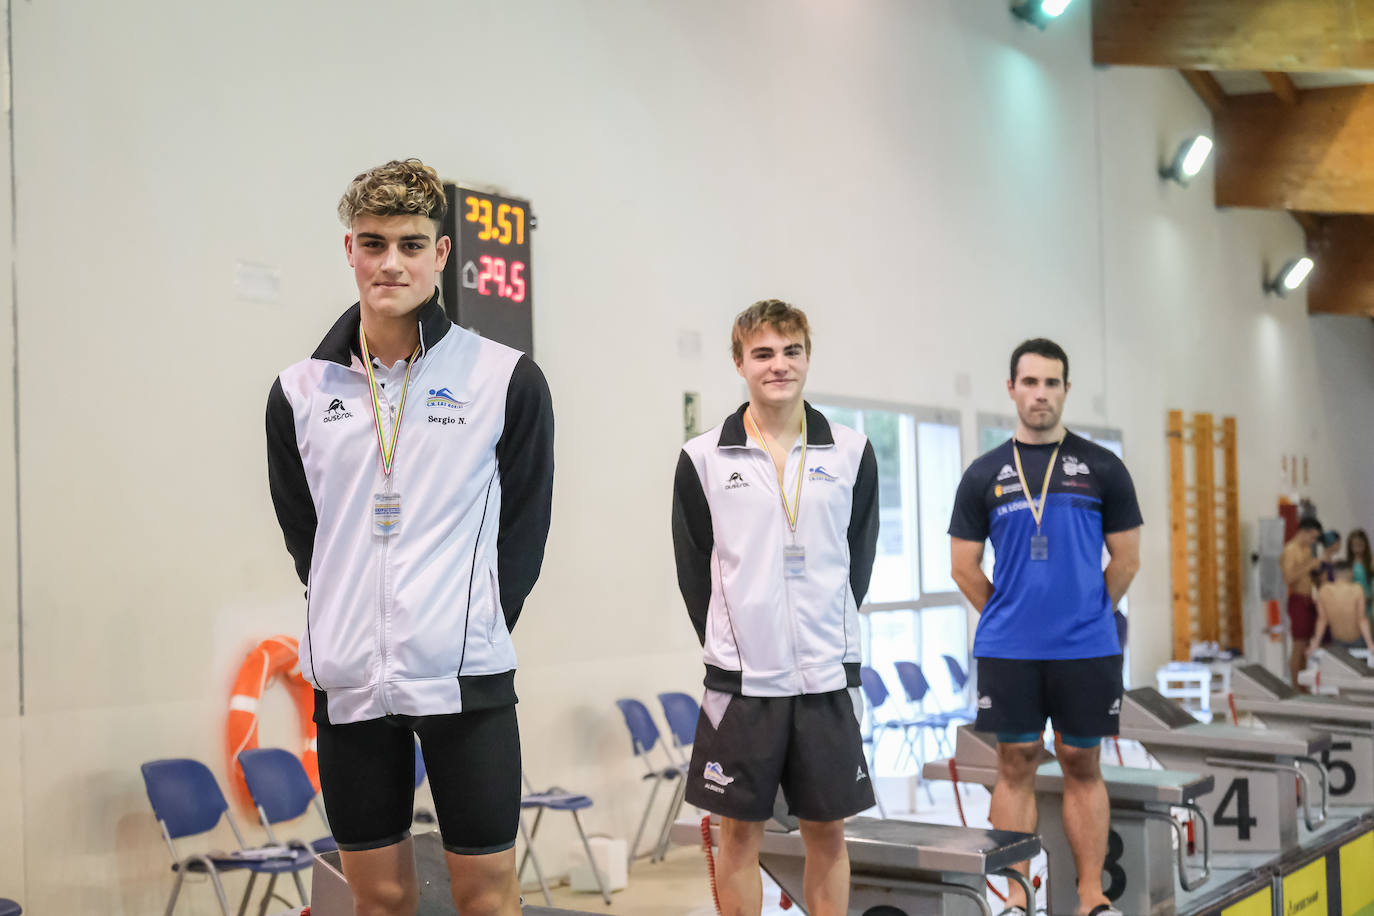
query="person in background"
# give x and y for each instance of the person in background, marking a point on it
(1361, 567)
(1300, 563)
(1340, 608)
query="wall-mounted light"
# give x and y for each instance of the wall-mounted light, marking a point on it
(1039, 12)
(1188, 160)
(1290, 278)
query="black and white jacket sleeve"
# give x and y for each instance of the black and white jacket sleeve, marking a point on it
(693, 541)
(286, 479)
(524, 459)
(863, 525)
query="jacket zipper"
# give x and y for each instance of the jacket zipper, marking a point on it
(786, 588)
(383, 608)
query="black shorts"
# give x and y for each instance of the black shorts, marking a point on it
(1081, 696)
(472, 759)
(747, 747)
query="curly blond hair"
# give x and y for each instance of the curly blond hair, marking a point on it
(783, 317)
(399, 188)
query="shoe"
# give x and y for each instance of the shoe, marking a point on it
(1104, 909)
(1013, 911)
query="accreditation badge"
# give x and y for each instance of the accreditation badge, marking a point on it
(386, 514)
(1040, 547)
(794, 561)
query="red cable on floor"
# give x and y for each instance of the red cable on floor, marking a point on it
(710, 859)
(959, 803)
(1116, 743)
(1231, 699)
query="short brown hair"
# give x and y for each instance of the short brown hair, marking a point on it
(784, 318)
(402, 187)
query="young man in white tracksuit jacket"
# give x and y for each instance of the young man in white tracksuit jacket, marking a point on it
(775, 525)
(411, 466)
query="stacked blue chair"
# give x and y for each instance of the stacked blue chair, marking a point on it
(644, 737)
(187, 801)
(555, 799)
(282, 792)
(876, 692)
(960, 679)
(917, 688)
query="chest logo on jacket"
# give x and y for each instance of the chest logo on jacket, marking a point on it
(821, 474)
(336, 411)
(735, 481)
(1072, 466)
(442, 397)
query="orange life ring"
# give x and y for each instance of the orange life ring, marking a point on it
(274, 657)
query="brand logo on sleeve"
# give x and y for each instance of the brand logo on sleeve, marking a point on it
(1073, 467)
(336, 411)
(735, 481)
(442, 397)
(820, 473)
(1006, 472)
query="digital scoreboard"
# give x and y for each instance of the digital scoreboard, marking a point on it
(487, 284)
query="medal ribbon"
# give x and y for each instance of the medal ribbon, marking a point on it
(791, 512)
(1037, 512)
(388, 454)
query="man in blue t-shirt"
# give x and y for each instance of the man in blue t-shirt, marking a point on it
(1046, 642)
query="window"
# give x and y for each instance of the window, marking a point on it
(913, 611)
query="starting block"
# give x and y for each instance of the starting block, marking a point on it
(1253, 806)
(1336, 670)
(330, 896)
(897, 868)
(1349, 721)
(1139, 876)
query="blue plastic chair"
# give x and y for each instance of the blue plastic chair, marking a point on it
(876, 692)
(917, 688)
(681, 712)
(187, 801)
(282, 792)
(644, 737)
(555, 799)
(960, 679)
(9, 908)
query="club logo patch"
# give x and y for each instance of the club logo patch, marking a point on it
(442, 397)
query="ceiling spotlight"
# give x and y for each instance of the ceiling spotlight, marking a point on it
(1039, 12)
(1189, 159)
(1290, 278)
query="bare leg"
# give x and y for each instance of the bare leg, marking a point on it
(1297, 661)
(382, 880)
(484, 885)
(825, 880)
(1087, 818)
(737, 868)
(1013, 799)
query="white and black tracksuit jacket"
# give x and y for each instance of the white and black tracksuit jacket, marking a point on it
(765, 634)
(417, 623)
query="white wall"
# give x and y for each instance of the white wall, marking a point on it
(933, 182)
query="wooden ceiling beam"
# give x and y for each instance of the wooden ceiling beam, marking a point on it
(1275, 35)
(1283, 87)
(1317, 156)
(1207, 88)
(1342, 282)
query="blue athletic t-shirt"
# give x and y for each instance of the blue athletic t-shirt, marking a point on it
(1058, 607)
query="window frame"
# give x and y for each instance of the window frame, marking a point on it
(946, 416)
